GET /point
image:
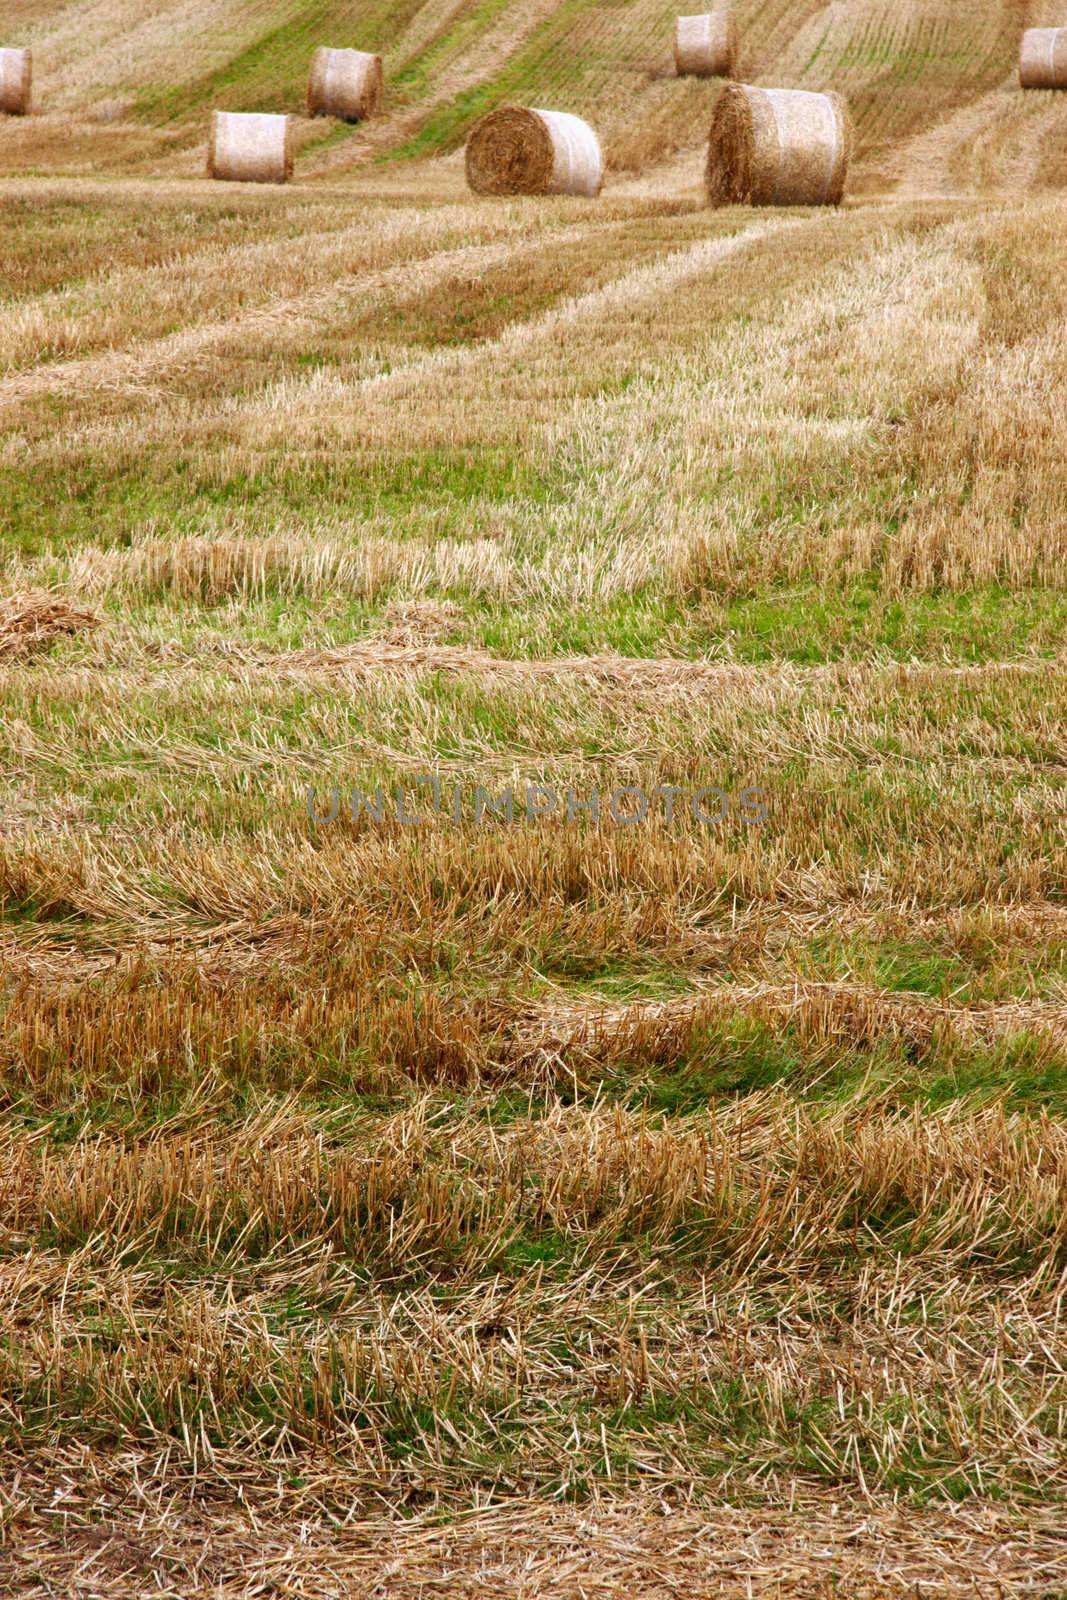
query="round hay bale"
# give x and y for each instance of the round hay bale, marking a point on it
(250, 147)
(706, 46)
(1043, 59)
(515, 150)
(778, 147)
(345, 83)
(16, 76)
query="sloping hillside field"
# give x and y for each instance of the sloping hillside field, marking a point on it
(533, 739)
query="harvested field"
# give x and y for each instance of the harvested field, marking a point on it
(533, 814)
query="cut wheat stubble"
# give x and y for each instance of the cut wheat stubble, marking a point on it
(171, 354)
(778, 147)
(857, 1012)
(516, 150)
(250, 147)
(636, 1542)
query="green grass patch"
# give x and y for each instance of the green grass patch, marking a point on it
(813, 624)
(741, 1055)
(270, 73)
(98, 501)
(444, 129)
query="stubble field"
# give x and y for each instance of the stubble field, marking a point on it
(557, 1208)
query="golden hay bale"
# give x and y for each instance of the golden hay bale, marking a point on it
(515, 150)
(778, 147)
(706, 46)
(16, 75)
(1043, 59)
(250, 147)
(31, 619)
(346, 84)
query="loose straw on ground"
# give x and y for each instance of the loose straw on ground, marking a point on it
(250, 147)
(16, 76)
(345, 83)
(706, 46)
(34, 618)
(515, 150)
(778, 147)
(1043, 59)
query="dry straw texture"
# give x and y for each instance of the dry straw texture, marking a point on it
(778, 147)
(1043, 59)
(515, 150)
(638, 1544)
(706, 46)
(346, 84)
(16, 73)
(31, 620)
(250, 147)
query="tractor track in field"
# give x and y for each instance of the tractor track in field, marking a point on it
(1004, 120)
(530, 1034)
(372, 659)
(860, 1013)
(139, 367)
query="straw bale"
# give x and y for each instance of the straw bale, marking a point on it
(348, 84)
(16, 75)
(778, 147)
(1043, 59)
(250, 147)
(515, 150)
(706, 46)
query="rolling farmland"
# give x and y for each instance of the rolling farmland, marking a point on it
(596, 1201)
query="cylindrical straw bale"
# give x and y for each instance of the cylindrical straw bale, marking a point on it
(16, 76)
(1043, 59)
(706, 46)
(250, 147)
(778, 147)
(346, 84)
(515, 150)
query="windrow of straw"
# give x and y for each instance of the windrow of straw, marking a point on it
(250, 147)
(348, 84)
(515, 150)
(706, 46)
(16, 75)
(778, 147)
(1043, 59)
(32, 619)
